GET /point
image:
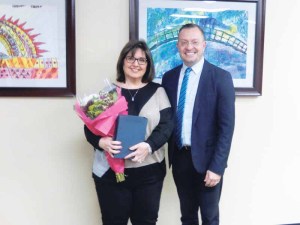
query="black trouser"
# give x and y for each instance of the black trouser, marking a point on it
(193, 194)
(137, 199)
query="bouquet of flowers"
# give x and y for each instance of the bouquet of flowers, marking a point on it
(99, 113)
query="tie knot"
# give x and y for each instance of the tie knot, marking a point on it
(187, 71)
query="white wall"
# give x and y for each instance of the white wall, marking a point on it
(45, 162)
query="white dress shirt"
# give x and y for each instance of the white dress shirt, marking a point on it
(191, 92)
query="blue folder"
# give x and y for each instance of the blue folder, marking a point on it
(130, 130)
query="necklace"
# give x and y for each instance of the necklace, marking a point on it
(133, 96)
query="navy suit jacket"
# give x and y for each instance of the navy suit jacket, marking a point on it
(213, 117)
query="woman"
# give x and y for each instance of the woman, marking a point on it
(137, 198)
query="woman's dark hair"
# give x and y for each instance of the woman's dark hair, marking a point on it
(131, 47)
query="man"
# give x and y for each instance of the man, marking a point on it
(203, 97)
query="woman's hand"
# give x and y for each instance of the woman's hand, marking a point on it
(109, 145)
(141, 150)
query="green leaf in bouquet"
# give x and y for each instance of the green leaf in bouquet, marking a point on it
(114, 96)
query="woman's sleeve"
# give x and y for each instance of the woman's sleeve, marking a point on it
(164, 129)
(91, 137)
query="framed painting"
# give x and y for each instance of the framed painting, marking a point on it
(234, 32)
(37, 48)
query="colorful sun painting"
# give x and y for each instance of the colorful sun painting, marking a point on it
(21, 56)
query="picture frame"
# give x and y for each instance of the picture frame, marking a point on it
(234, 32)
(37, 48)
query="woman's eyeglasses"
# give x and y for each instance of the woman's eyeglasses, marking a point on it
(131, 59)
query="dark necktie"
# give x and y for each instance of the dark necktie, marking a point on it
(180, 106)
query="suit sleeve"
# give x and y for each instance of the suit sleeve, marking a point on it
(225, 123)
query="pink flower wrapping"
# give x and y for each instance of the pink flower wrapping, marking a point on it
(104, 125)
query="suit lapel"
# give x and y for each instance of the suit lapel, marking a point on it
(175, 84)
(199, 100)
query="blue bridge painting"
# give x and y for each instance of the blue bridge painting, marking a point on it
(226, 34)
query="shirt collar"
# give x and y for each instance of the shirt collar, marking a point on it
(197, 68)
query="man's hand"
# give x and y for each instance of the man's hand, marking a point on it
(211, 179)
